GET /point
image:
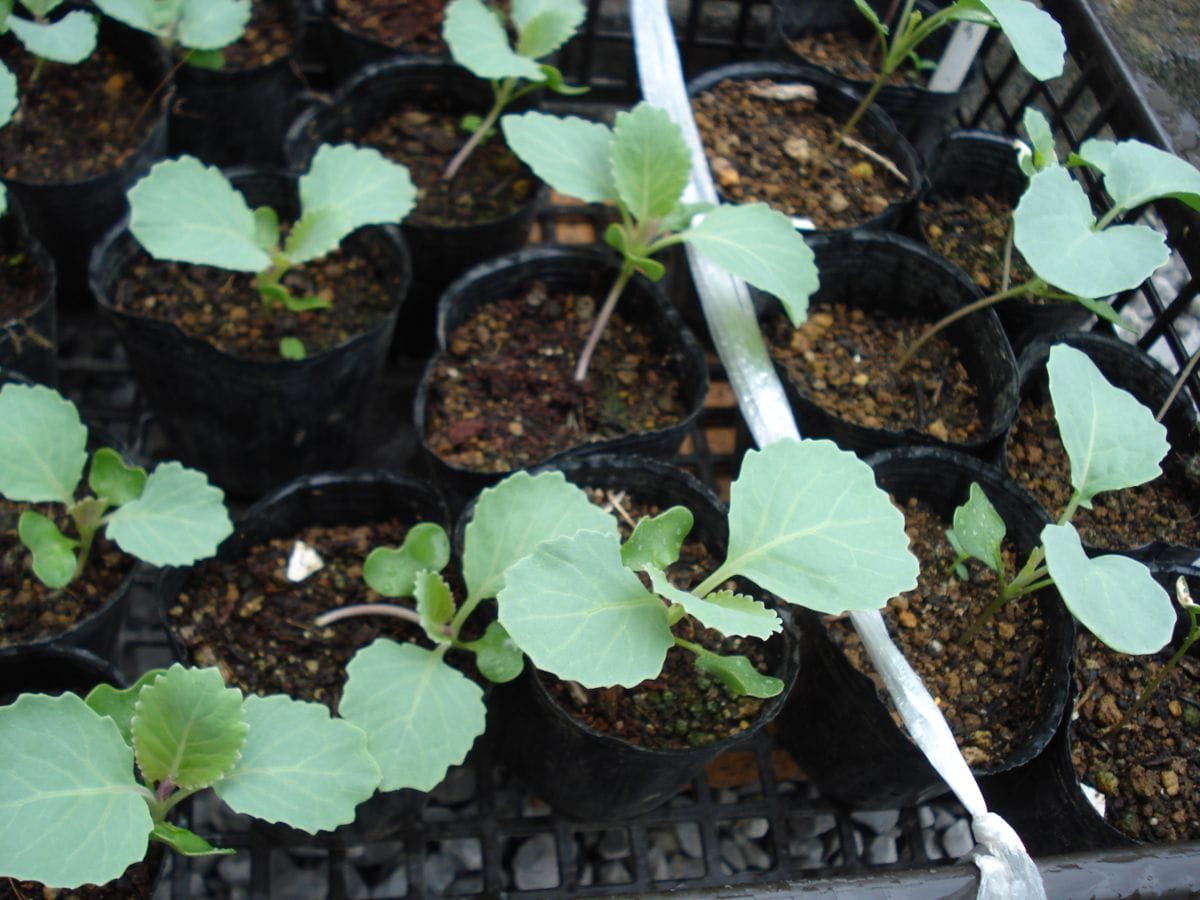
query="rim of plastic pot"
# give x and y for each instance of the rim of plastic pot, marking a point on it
(54, 669)
(348, 50)
(571, 267)
(837, 98)
(39, 363)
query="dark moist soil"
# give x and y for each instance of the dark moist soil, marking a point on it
(848, 55)
(226, 309)
(1165, 509)
(770, 150)
(22, 283)
(492, 183)
(504, 394)
(972, 232)
(136, 882)
(681, 707)
(268, 37)
(412, 25)
(1148, 771)
(30, 611)
(75, 122)
(842, 359)
(246, 618)
(983, 687)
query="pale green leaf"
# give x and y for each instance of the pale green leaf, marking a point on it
(1053, 229)
(731, 614)
(1111, 439)
(1041, 137)
(738, 675)
(543, 27)
(186, 842)
(139, 14)
(1114, 597)
(266, 228)
(578, 612)
(681, 216)
(8, 95)
(54, 559)
(808, 523)
(435, 605)
(118, 704)
(556, 83)
(761, 246)
(421, 716)
(42, 445)
(299, 766)
(478, 42)
(212, 24)
(318, 233)
(392, 571)
(1036, 38)
(71, 811)
(570, 154)
(1136, 173)
(499, 659)
(979, 530)
(40, 8)
(111, 479)
(178, 519)
(511, 519)
(868, 12)
(1095, 152)
(188, 212)
(292, 348)
(3, 198)
(656, 539)
(187, 726)
(70, 40)
(650, 161)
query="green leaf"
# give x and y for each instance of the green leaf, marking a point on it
(1053, 229)
(139, 14)
(39, 9)
(1041, 137)
(578, 612)
(421, 716)
(118, 704)
(1111, 439)
(70, 40)
(514, 517)
(478, 42)
(188, 212)
(72, 812)
(681, 216)
(554, 81)
(1115, 597)
(212, 24)
(3, 198)
(111, 479)
(761, 246)
(978, 530)
(292, 348)
(1036, 38)
(303, 304)
(656, 540)
(738, 675)
(496, 654)
(435, 605)
(570, 154)
(1094, 152)
(186, 842)
(545, 25)
(42, 445)
(54, 559)
(212, 60)
(1136, 173)
(725, 611)
(650, 161)
(347, 187)
(392, 571)
(266, 228)
(187, 726)
(808, 523)
(868, 12)
(8, 95)
(1103, 309)
(299, 766)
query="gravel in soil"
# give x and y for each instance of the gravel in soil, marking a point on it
(74, 122)
(681, 707)
(848, 55)
(268, 36)
(843, 358)
(504, 395)
(1149, 770)
(772, 150)
(30, 611)
(972, 233)
(413, 25)
(1164, 509)
(985, 686)
(22, 283)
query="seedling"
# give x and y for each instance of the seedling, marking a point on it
(477, 36)
(1112, 442)
(75, 813)
(642, 165)
(204, 27)
(185, 211)
(69, 40)
(169, 517)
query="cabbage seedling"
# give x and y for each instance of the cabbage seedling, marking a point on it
(642, 165)
(1112, 442)
(477, 36)
(204, 27)
(75, 812)
(169, 517)
(69, 40)
(185, 211)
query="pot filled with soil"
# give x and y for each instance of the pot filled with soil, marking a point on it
(80, 137)
(841, 370)
(412, 111)
(768, 130)
(359, 32)
(501, 393)
(1001, 679)
(28, 320)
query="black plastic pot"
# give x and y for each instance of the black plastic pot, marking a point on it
(233, 116)
(440, 252)
(591, 269)
(347, 50)
(580, 771)
(252, 424)
(69, 217)
(54, 670)
(837, 99)
(890, 274)
(973, 163)
(29, 343)
(838, 727)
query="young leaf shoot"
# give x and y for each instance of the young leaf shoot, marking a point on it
(202, 26)
(69, 39)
